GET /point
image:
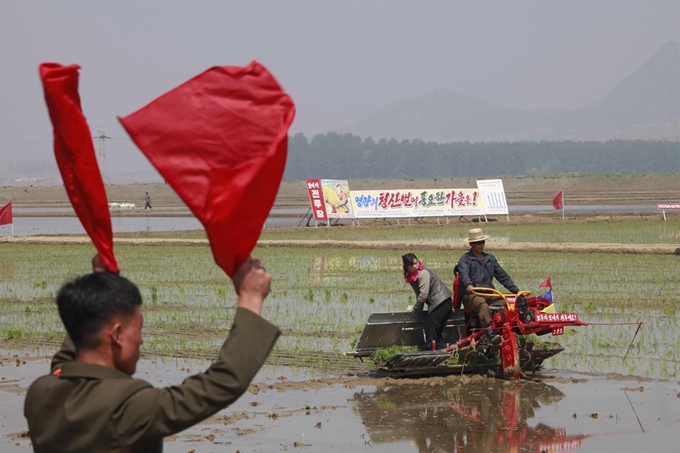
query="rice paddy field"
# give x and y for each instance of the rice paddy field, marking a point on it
(321, 297)
(326, 282)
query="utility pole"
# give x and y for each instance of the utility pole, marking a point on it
(101, 155)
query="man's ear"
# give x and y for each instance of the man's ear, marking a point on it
(114, 331)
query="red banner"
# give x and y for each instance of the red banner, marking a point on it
(316, 199)
(76, 159)
(6, 214)
(558, 202)
(220, 140)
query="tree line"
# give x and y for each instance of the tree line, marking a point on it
(347, 156)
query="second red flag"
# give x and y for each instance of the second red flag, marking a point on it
(220, 140)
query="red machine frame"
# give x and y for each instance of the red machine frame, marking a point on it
(521, 315)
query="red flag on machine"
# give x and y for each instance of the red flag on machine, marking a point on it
(546, 283)
(558, 200)
(6, 214)
(220, 140)
(76, 159)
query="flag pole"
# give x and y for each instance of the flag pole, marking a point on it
(563, 205)
(552, 291)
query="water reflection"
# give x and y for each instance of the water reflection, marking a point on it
(27, 226)
(24, 226)
(474, 415)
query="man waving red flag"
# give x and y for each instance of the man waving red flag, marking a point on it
(77, 162)
(220, 140)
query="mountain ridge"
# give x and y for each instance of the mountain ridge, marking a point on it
(645, 105)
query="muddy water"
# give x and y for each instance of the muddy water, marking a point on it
(28, 226)
(292, 410)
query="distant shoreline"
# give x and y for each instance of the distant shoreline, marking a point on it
(617, 189)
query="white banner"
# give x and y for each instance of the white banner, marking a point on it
(493, 196)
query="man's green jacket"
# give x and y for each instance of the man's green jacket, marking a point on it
(91, 408)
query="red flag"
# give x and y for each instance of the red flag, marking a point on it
(220, 140)
(74, 151)
(557, 200)
(6, 214)
(546, 283)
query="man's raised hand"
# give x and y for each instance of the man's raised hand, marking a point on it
(97, 264)
(252, 284)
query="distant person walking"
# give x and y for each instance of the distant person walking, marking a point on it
(147, 198)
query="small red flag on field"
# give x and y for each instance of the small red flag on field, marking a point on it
(546, 283)
(76, 159)
(6, 214)
(557, 200)
(220, 140)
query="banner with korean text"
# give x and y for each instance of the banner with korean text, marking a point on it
(416, 203)
(329, 198)
(316, 199)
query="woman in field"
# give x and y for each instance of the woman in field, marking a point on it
(429, 290)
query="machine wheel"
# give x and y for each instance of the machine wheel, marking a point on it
(510, 354)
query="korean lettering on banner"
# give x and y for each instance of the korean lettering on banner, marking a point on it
(557, 317)
(397, 200)
(384, 203)
(316, 199)
(466, 202)
(493, 196)
(416, 203)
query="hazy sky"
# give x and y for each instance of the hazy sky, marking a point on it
(339, 60)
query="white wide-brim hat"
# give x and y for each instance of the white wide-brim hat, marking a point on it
(476, 235)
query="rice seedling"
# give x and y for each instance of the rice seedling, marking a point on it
(321, 297)
(382, 355)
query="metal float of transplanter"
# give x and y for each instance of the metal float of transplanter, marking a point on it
(522, 315)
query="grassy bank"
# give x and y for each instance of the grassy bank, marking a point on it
(635, 231)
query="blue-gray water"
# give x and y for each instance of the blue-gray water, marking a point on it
(27, 226)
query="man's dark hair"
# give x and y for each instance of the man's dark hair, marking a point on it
(88, 302)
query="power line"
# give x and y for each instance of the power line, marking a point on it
(101, 155)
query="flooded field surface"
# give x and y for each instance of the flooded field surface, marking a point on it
(28, 226)
(310, 397)
(290, 409)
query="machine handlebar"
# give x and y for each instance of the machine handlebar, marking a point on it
(491, 292)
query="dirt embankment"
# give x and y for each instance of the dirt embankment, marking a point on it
(655, 249)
